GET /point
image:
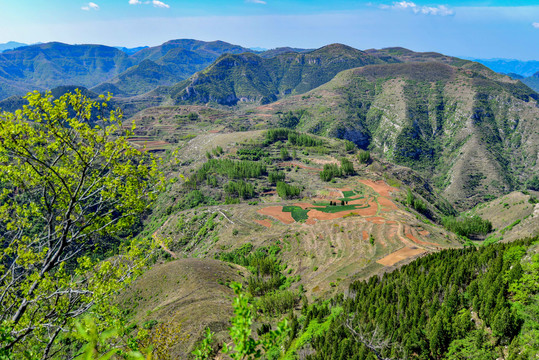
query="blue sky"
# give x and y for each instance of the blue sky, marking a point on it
(482, 29)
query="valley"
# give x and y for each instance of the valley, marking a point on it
(352, 193)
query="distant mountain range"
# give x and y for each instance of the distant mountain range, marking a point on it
(45, 66)
(128, 72)
(507, 66)
(11, 45)
(525, 71)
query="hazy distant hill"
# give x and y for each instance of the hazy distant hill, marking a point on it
(506, 66)
(11, 45)
(525, 71)
(250, 77)
(532, 81)
(475, 135)
(131, 51)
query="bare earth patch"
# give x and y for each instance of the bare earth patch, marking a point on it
(358, 202)
(319, 215)
(387, 204)
(377, 220)
(335, 194)
(264, 222)
(392, 232)
(276, 212)
(298, 165)
(399, 255)
(365, 235)
(379, 186)
(410, 236)
(370, 211)
(324, 162)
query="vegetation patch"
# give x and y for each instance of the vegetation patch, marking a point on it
(299, 214)
(466, 226)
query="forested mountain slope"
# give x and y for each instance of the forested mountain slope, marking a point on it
(44, 66)
(167, 64)
(474, 134)
(249, 77)
(455, 304)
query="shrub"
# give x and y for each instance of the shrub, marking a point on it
(363, 156)
(284, 154)
(533, 183)
(330, 171)
(347, 167)
(286, 191)
(466, 226)
(349, 146)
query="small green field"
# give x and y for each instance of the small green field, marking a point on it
(298, 214)
(339, 208)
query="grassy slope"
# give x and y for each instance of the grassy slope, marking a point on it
(190, 292)
(513, 216)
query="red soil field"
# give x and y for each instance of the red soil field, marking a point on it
(386, 203)
(264, 222)
(377, 220)
(358, 202)
(380, 187)
(416, 240)
(392, 232)
(276, 212)
(399, 255)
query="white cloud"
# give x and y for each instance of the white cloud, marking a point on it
(405, 5)
(536, 25)
(155, 3)
(160, 4)
(90, 6)
(256, 2)
(440, 10)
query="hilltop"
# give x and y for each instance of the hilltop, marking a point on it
(253, 78)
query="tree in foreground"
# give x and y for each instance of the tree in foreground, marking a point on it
(69, 183)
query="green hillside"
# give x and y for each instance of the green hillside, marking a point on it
(249, 77)
(44, 66)
(473, 134)
(166, 64)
